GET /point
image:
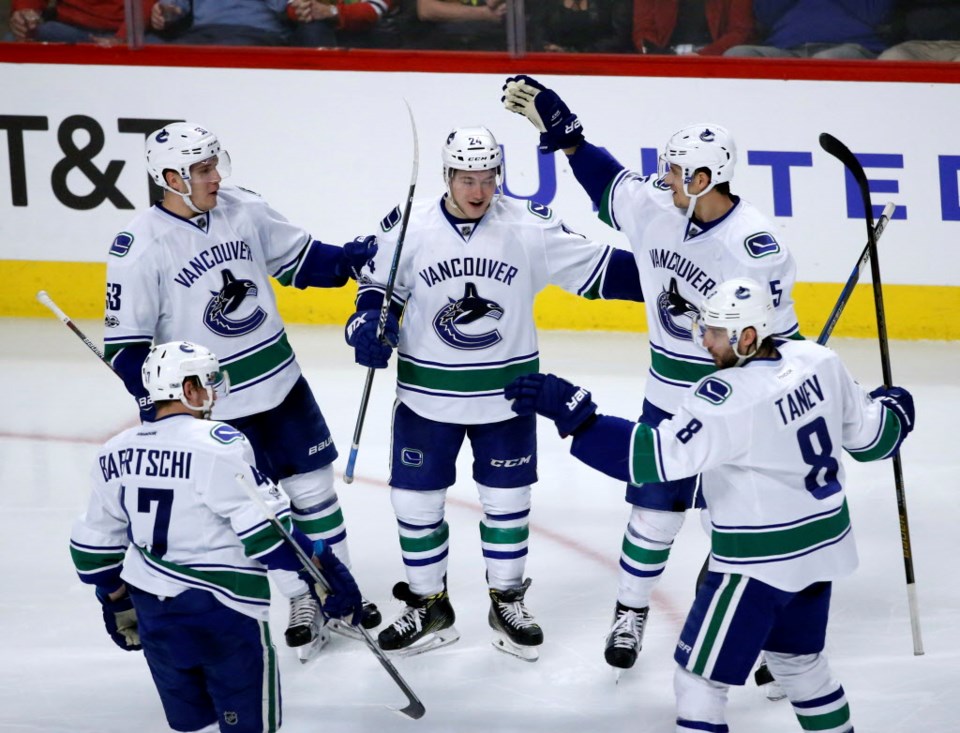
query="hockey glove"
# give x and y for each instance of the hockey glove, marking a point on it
(559, 127)
(344, 599)
(361, 334)
(568, 405)
(900, 402)
(120, 619)
(356, 255)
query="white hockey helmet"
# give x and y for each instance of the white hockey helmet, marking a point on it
(168, 365)
(737, 304)
(471, 149)
(703, 145)
(177, 147)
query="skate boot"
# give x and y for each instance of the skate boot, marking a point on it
(370, 618)
(626, 636)
(516, 631)
(425, 623)
(307, 629)
(766, 682)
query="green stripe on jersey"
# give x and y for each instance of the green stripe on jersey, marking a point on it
(255, 364)
(772, 543)
(264, 540)
(464, 381)
(679, 370)
(240, 585)
(604, 213)
(643, 460)
(889, 435)
(91, 562)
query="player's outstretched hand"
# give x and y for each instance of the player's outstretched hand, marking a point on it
(361, 334)
(344, 600)
(901, 402)
(559, 127)
(568, 405)
(356, 255)
(120, 620)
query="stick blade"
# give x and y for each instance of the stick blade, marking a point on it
(842, 153)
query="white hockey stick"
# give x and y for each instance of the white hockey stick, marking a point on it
(65, 319)
(385, 306)
(414, 708)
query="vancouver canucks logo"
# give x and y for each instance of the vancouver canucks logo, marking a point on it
(708, 136)
(471, 307)
(676, 312)
(227, 301)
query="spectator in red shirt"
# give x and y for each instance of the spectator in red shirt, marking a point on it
(329, 23)
(72, 21)
(682, 27)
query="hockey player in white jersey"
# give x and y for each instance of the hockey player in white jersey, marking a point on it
(197, 266)
(179, 553)
(688, 233)
(766, 431)
(471, 264)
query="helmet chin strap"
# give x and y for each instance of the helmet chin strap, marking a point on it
(205, 408)
(694, 197)
(742, 358)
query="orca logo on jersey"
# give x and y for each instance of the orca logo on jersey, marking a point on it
(676, 312)
(228, 300)
(468, 309)
(226, 434)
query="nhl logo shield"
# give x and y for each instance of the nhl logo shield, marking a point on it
(230, 717)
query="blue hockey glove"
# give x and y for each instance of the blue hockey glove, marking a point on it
(120, 619)
(361, 334)
(568, 405)
(356, 255)
(344, 600)
(901, 402)
(559, 127)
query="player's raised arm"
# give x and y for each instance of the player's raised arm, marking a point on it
(560, 129)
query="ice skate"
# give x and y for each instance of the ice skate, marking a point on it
(306, 630)
(516, 631)
(426, 623)
(370, 619)
(766, 682)
(626, 637)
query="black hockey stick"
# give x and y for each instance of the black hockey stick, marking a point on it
(414, 708)
(842, 153)
(385, 306)
(46, 300)
(855, 275)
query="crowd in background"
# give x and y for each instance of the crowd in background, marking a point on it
(923, 30)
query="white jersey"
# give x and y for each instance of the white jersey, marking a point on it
(767, 438)
(207, 280)
(468, 327)
(681, 265)
(191, 524)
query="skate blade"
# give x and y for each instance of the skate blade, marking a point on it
(527, 653)
(774, 692)
(428, 643)
(344, 628)
(308, 651)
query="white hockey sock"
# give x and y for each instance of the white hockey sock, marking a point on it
(701, 703)
(504, 533)
(819, 701)
(316, 509)
(424, 537)
(644, 553)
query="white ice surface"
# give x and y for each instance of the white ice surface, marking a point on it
(59, 673)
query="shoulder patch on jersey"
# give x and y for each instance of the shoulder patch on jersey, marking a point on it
(391, 220)
(121, 244)
(252, 193)
(714, 390)
(541, 210)
(225, 434)
(761, 244)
